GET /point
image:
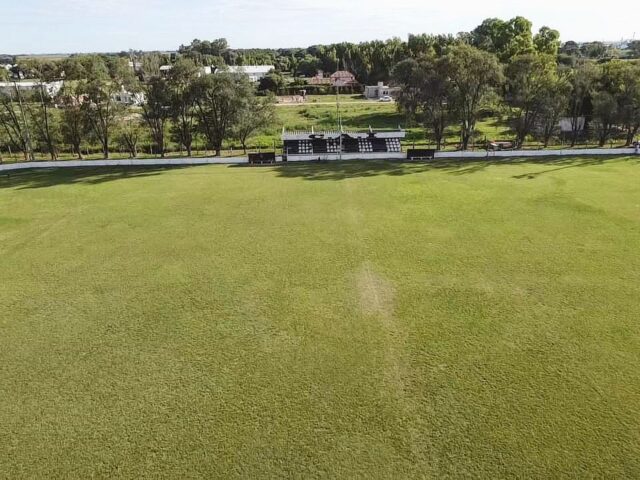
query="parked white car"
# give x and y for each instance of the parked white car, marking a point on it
(386, 99)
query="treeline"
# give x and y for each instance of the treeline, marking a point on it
(372, 61)
(502, 70)
(88, 109)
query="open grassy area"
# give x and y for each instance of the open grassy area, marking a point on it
(360, 115)
(344, 320)
(320, 112)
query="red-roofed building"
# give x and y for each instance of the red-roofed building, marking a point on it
(343, 78)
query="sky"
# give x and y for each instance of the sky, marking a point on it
(68, 26)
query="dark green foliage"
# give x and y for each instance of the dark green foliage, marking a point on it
(220, 102)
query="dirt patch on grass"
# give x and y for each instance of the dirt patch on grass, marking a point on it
(376, 294)
(377, 300)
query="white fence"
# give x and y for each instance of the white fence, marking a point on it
(128, 163)
(325, 157)
(539, 153)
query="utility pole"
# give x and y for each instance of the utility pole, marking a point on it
(339, 120)
(27, 135)
(339, 114)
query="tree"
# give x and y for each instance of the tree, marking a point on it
(73, 119)
(581, 80)
(634, 48)
(474, 74)
(214, 48)
(271, 82)
(426, 90)
(101, 111)
(570, 48)
(256, 114)
(529, 77)
(505, 39)
(46, 127)
(605, 114)
(151, 64)
(156, 110)
(554, 103)
(42, 70)
(547, 41)
(106, 78)
(308, 66)
(128, 134)
(429, 45)
(622, 81)
(41, 103)
(593, 49)
(181, 80)
(437, 100)
(629, 103)
(13, 122)
(407, 76)
(219, 101)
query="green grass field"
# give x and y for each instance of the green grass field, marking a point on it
(347, 320)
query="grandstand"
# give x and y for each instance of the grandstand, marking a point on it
(334, 143)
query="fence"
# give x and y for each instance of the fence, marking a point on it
(124, 163)
(538, 153)
(324, 157)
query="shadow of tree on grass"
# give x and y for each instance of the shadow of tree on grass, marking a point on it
(31, 179)
(331, 170)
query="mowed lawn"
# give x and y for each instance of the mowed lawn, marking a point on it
(322, 320)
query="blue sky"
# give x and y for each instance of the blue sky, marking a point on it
(59, 26)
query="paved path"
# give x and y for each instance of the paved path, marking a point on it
(127, 163)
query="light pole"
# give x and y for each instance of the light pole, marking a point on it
(339, 118)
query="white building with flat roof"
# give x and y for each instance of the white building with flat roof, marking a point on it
(380, 90)
(254, 72)
(51, 89)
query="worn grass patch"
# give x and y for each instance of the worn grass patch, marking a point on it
(322, 320)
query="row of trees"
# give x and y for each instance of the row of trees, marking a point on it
(462, 83)
(177, 107)
(372, 61)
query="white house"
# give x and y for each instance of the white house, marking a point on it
(128, 98)
(165, 69)
(566, 126)
(136, 66)
(51, 89)
(378, 91)
(254, 72)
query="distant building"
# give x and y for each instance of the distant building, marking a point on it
(254, 72)
(125, 97)
(380, 90)
(343, 78)
(51, 89)
(135, 66)
(566, 126)
(165, 69)
(319, 79)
